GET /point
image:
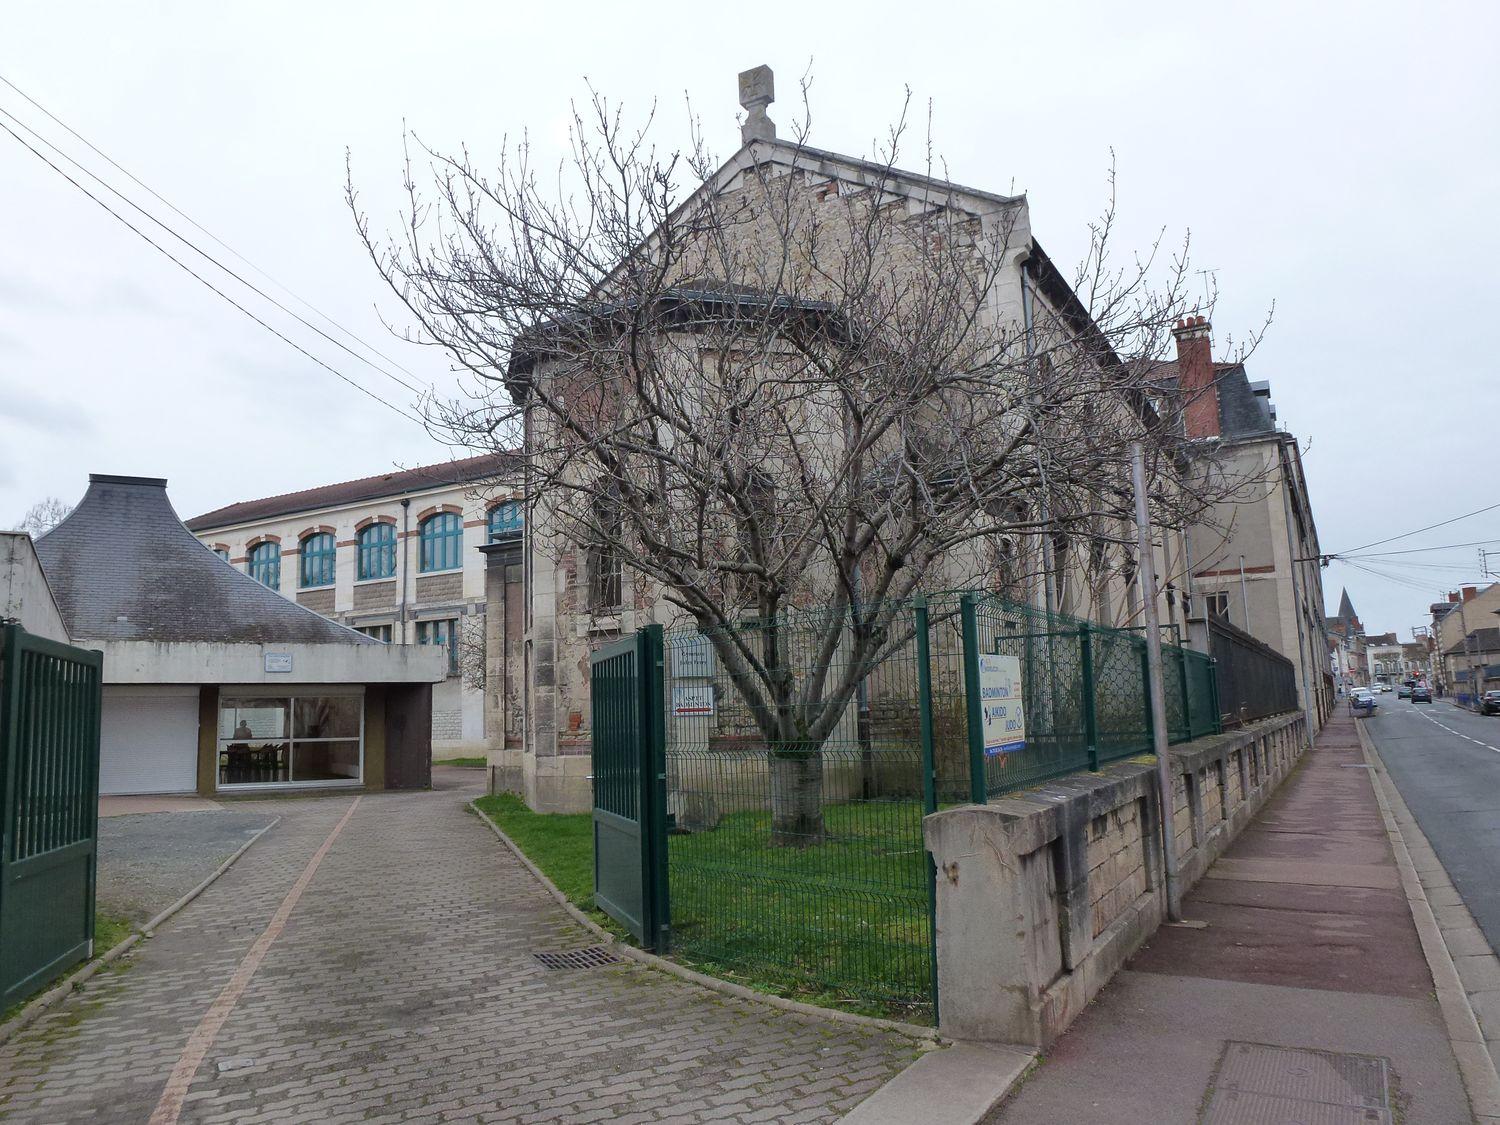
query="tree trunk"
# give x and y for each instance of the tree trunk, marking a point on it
(796, 798)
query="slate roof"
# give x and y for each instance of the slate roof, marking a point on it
(124, 568)
(1481, 640)
(397, 482)
(1244, 407)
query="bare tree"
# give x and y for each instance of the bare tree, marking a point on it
(797, 389)
(43, 516)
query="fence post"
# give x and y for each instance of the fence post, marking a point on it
(1187, 699)
(652, 669)
(968, 613)
(929, 777)
(1146, 694)
(1213, 694)
(1090, 710)
(924, 703)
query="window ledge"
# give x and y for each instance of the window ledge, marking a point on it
(372, 581)
(446, 570)
(601, 623)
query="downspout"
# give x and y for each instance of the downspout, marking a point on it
(405, 564)
(1308, 703)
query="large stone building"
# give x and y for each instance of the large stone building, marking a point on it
(1255, 559)
(1465, 657)
(578, 597)
(405, 557)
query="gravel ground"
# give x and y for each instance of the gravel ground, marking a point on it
(150, 860)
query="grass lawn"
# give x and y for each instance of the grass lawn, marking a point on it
(844, 923)
(561, 844)
(471, 763)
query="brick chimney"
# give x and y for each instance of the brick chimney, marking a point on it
(1470, 593)
(1195, 377)
(1452, 598)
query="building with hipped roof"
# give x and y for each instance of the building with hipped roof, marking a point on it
(212, 683)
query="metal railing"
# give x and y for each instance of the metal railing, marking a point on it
(1254, 680)
(799, 859)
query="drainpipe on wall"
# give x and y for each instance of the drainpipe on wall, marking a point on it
(405, 564)
(1309, 704)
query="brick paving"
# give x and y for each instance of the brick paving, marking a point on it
(404, 989)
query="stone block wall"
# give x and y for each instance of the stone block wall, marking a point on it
(1043, 894)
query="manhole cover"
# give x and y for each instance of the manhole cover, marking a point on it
(1257, 1084)
(592, 957)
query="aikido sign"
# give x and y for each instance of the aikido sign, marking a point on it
(1000, 702)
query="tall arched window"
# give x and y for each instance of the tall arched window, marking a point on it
(265, 564)
(317, 560)
(442, 539)
(504, 521)
(376, 551)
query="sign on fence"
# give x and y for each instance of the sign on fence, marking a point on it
(693, 699)
(1001, 704)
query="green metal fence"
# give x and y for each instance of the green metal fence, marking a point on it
(802, 862)
(49, 779)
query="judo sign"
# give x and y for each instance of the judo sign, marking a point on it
(1000, 701)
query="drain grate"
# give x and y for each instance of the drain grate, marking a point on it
(590, 958)
(1258, 1083)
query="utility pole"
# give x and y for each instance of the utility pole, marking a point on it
(1164, 789)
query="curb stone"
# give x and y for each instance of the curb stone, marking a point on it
(1476, 1066)
(61, 991)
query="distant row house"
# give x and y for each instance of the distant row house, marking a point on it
(420, 556)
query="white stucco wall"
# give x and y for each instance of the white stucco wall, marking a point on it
(156, 662)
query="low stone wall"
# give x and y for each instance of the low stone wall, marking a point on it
(1042, 895)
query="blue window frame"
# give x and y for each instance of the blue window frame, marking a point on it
(505, 521)
(316, 563)
(444, 633)
(222, 552)
(265, 564)
(442, 539)
(376, 551)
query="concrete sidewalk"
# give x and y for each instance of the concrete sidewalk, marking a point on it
(1309, 956)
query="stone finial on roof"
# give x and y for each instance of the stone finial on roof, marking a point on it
(757, 90)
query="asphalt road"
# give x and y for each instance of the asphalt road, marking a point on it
(1446, 763)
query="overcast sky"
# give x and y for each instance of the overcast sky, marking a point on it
(1340, 160)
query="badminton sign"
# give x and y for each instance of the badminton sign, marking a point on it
(1001, 707)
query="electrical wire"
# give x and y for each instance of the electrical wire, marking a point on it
(204, 281)
(197, 225)
(209, 257)
(1429, 527)
(1420, 550)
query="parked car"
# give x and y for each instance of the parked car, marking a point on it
(1403, 692)
(1362, 701)
(1489, 703)
(1420, 694)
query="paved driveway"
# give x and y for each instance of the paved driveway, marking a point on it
(374, 962)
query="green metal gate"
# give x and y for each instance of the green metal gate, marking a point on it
(49, 806)
(630, 786)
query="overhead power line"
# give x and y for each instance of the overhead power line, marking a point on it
(1420, 550)
(205, 231)
(1429, 527)
(204, 281)
(206, 255)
